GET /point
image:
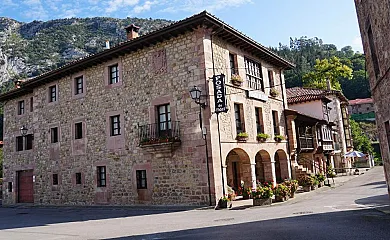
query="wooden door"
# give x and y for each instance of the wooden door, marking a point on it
(25, 186)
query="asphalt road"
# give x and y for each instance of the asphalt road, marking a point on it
(355, 210)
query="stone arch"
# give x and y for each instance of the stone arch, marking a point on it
(263, 166)
(238, 168)
(281, 165)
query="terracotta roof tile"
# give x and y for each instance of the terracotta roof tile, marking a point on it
(301, 94)
(360, 101)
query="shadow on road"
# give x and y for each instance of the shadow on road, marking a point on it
(374, 200)
(359, 224)
(376, 183)
(11, 218)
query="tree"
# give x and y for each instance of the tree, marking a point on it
(327, 69)
(360, 141)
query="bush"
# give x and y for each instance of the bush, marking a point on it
(263, 191)
(282, 190)
(305, 181)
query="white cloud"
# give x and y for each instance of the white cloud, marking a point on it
(195, 6)
(357, 44)
(9, 3)
(32, 2)
(146, 7)
(36, 12)
(115, 5)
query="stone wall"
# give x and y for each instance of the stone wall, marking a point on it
(376, 14)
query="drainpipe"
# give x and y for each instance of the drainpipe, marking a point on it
(285, 121)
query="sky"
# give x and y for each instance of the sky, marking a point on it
(269, 22)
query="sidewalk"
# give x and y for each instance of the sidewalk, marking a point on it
(336, 182)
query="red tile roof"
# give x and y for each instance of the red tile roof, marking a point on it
(301, 94)
(360, 101)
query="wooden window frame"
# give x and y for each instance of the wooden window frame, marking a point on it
(53, 94)
(21, 107)
(115, 125)
(19, 143)
(233, 64)
(115, 79)
(101, 176)
(275, 122)
(164, 127)
(31, 104)
(142, 182)
(254, 75)
(259, 120)
(79, 85)
(78, 130)
(238, 117)
(271, 78)
(28, 141)
(54, 135)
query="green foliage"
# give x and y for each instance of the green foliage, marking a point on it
(282, 190)
(360, 140)
(279, 138)
(263, 191)
(327, 69)
(320, 177)
(262, 136)
(242, 135)
(305, 180)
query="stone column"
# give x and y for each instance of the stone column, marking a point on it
(225, 179)
(253, 171)
(273, 172)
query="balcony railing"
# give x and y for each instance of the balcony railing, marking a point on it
(327, 145)
(306, 142)
(159, 133)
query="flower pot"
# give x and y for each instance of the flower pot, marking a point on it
(261, 139)
(223, 204)
(277, 140)
(236, 83)
(307, 188)
(241, 139)
(262, 201)
(313, 187)
(281, 198)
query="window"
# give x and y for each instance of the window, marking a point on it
(101, 176)
(325, 111)
(253, 74)
(78, 130)
(31, 104)
(54, 135)
(164, 120)
(233, 63)
(374, 57)
(9, 186)
(21, 107)
(271, 78)
(78, 85)
(29, 141)
(19, 143)
(141, 179)
(115, 125)
(78, 178)
(238, 116)
(53, 93)
(275, 121)
(55, 179)
(113, 74)
(259, 120)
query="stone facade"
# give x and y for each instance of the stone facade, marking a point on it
(361, 106)
(374, 21)
(69, 171)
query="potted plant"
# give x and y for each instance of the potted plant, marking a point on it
(223, 202)
(282, 192)
(278, 138)
(262, 137)
(236, 80)
(315, 183)
(263, 194)
(321, 179)
(293, 185)
(306, 182)
(246, 193)
(273, 92)
(242, 137)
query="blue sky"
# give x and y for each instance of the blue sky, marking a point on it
(267, 21)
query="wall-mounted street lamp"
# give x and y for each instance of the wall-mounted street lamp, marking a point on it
(196, 94)
(23, 130)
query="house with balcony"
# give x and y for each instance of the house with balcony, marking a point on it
(121, 128)
(329, 109)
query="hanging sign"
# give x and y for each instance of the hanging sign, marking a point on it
(219, 93)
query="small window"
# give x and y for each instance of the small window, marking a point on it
(233, 63)
(275, 121)
(164, 120)
(115, 125)
(254, 75)
(31, 104)
(78, 128)
(9, 186)
(78, 178)
(55, 179)
(101, 176)
(238, 115)
(53, 93)
(114, 74)
(54, 134)
(259, 120)
(19, 143)
(141, 179)
(29, 141)
(21, 107)
(271, 78)
(79, 85)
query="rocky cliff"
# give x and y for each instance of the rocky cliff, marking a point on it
(29, 49)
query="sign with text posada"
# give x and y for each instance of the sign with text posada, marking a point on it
(219, 93)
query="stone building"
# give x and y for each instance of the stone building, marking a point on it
(329, 106)
(374, 21)
(362, 109)
(120, 128)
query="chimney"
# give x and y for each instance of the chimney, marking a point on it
(328, 84)
(132, 31)
(107, 45)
